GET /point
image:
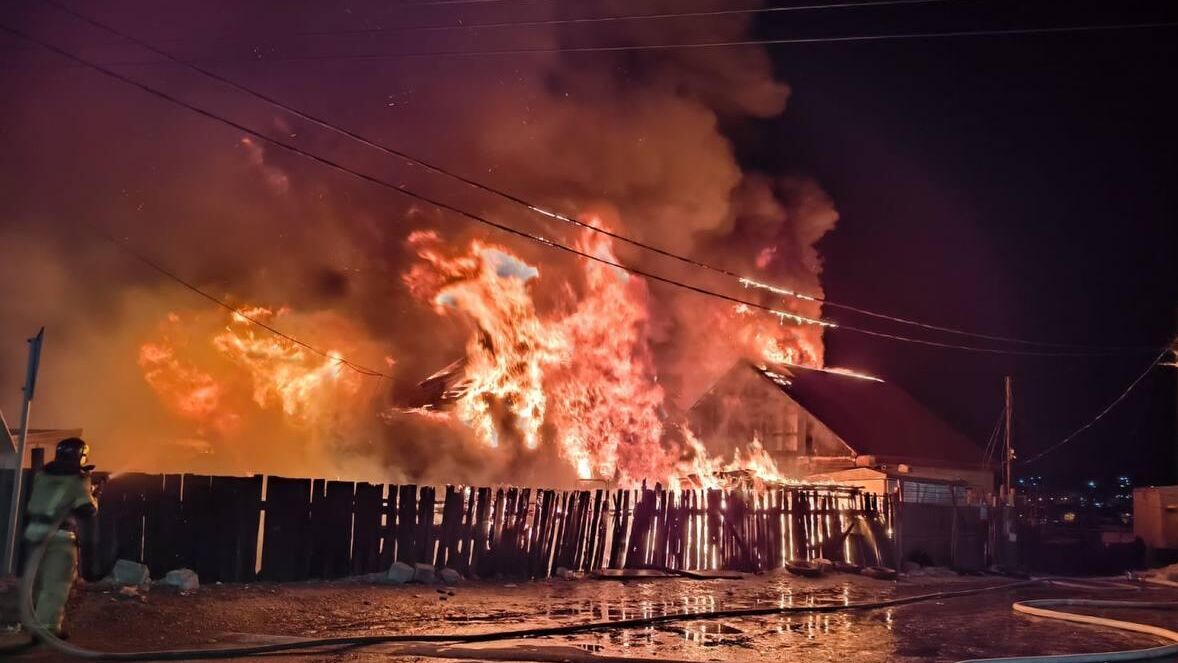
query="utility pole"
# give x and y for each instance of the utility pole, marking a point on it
(1174, 362)
(1008, 453)
(14, 505)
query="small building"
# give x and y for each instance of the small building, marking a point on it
(37, 438)
(821, 425)
(1155, 517)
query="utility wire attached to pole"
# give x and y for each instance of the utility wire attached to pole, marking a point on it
(1116, 401)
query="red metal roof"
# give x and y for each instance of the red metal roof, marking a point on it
(878, 418)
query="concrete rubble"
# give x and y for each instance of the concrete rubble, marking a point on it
(185, 580)
(425, 574)
(399, 573)
(128, 573)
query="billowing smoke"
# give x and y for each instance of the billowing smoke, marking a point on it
(635, 138)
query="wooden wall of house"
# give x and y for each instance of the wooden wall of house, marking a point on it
(744, 405)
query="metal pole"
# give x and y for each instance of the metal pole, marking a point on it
(1008, 455)
(14, 505)
(6, 441)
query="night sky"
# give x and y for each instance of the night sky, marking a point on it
(1016, 185)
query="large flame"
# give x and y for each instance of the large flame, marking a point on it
(254, 400)
(284, 374)
(580, 375)
(513, 348)
(607, 401)
(184, 389)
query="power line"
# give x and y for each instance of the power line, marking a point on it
(1102, 413)
(462, 2)
(613, 18)
(682, 45)
(991, 443)
(359, 368)
(618, 18)
(785, 315)
(583, 20)
(330, 126)
(675, 46)
(782, 315)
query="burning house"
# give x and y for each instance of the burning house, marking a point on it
(828, 425)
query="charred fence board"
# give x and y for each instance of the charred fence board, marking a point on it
(322, 529)
(388, 546)
(451, 526)
(516, 536)
(236, 505)
(366, 528)
(498, 553)
(659, 554)
(467, 533)
(161, 538)
(638, 546)
(425, 526)
(120, 522)
(480, 559)
(201, 529)
(286, 546)
(407, 524)
(331, 526)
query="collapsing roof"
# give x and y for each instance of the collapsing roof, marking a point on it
(871, 417)
(874, 418)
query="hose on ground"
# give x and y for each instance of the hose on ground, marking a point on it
(1042, 608)
(1037, 608)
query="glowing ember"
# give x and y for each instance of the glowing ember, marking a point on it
(846, 372)
(754, 466)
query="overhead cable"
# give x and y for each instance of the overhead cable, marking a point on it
(618, 18)
(237, 311)
(1100, 415)
(556, 215)
(780, 314)
(784, 41)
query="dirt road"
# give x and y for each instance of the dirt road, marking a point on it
(949, 630)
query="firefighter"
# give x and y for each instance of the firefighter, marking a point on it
(62, 487)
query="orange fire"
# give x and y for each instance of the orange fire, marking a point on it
(185, 389)
(513, 348)
(765, 340)
(607, 399)
(581, 375)
(700, 470)
(284, 374)
(213, 377)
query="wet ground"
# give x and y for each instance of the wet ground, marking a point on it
(944, 630)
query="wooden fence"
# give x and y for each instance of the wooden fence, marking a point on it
(236, 529)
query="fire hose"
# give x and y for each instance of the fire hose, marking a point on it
(1037, 607)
